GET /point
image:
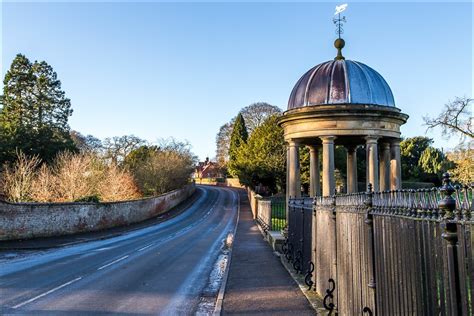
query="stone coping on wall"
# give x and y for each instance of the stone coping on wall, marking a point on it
(88, 203)
(32, 220)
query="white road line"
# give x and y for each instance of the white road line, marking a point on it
(147, 246)
(178, 299)
(104, 248)
(46, 293)
(111, 263)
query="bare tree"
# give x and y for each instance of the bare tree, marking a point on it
(455, 119)
(222, 143)
(256, 113)
(117, 148)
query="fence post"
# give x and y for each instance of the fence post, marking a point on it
(447, 206)
(268, 214)
(334, 242)
(314, 240)
(257, 198)
(369, 220)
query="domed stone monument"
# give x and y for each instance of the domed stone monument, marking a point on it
(343, 102)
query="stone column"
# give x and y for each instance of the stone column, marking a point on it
(287, 180)
(329, 181)
(366, 164)
(385, 167)
(395, 166)
(351, 169)
(372, 163)
(314, 190)
(294, 182)
(314, 184)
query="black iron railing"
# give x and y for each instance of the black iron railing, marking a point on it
(272, 213)
(278, 204)
(394, 252)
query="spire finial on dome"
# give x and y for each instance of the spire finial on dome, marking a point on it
(339, 42)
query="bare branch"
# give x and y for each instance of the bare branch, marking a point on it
(455, 119)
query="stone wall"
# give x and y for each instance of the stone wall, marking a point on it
(30, 220)
(253, 198)
(233, 182)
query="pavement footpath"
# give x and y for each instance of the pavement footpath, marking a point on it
(257, 282)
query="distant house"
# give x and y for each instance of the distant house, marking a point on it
(207, 169)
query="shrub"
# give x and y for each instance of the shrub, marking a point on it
(43, 188)
(117, 184)
(162, 168)
(17, 179)
(261, 161)
(75, 176)
(463, 169)
(71, 177)
(91, 198)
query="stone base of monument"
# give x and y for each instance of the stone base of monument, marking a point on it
(276, 240)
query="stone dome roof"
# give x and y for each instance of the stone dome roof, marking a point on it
(341, 82)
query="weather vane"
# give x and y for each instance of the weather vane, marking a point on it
(339, 42)
(339, 20)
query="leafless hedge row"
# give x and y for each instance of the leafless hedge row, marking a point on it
(71, 177)
(93, 176)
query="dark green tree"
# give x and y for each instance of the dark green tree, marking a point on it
(411, 150)
(261, 161)
(304, 167)
(87, 143)
(433, 162)
(138, 156)
(34, 117)
(421, 162)
(238, 137)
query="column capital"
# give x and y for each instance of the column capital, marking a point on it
(385, 145)
(328, 139)
(293, 142)
(371, 139)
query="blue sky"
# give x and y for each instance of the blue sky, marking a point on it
(183, 69)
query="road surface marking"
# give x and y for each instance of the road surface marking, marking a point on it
(176, 304)
(111, 263)
(147, 246)
(104, 248)
(46, 293)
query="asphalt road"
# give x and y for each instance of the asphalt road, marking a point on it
(172, 268)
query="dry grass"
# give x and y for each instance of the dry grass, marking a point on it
(41, 188)
(71, 177)
(16, 180)
(75, 176)
(117, 184)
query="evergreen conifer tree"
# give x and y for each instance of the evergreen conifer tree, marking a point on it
(35, 112)
(237, 139)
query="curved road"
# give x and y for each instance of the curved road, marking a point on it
(167, 269)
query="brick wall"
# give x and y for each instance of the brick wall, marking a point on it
(30, 220)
